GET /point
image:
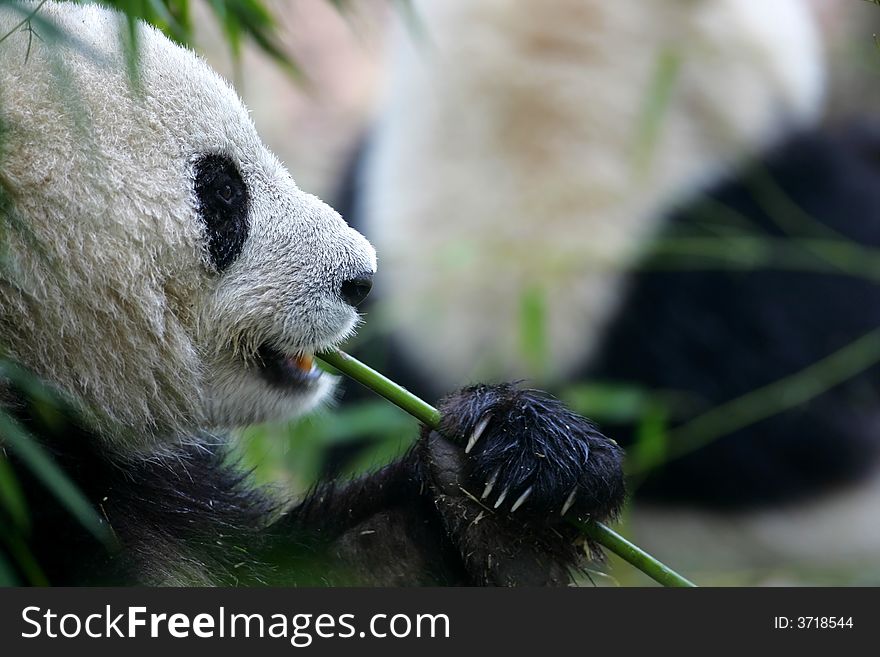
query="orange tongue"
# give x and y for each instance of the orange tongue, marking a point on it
(304, 363)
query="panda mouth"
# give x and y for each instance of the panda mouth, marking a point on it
(286, 371)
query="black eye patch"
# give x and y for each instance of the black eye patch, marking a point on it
(223, 203)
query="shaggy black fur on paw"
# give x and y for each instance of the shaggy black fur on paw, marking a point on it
(527, 454)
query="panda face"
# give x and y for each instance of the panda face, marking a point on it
(280, 273)
(171, 275)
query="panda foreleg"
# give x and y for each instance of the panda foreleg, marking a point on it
(482, 505)
(485, 503)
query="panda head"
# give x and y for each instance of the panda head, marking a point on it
(160, 265)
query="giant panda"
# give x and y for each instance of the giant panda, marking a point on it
(527, 158)
(167, 281)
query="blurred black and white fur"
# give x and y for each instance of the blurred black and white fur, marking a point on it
(554, 154)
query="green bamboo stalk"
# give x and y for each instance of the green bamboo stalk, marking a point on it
(430, 417)
(634, 555)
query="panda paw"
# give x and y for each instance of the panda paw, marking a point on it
(523, 453)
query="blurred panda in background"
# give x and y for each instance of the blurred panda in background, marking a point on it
(641, 207)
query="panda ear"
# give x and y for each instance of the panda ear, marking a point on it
(224, 204)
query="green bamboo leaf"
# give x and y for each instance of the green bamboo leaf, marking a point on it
(533, 330)
(180, 9)
(24, 560)
(11, 497)
(163, 18)
(776, 397)
(608, 402)
(7, 573)
(651, 446)
(656, 104)
(52, 477)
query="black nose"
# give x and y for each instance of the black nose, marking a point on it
(356, 289)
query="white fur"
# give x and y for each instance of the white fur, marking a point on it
(106, 289)
(507, 159)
